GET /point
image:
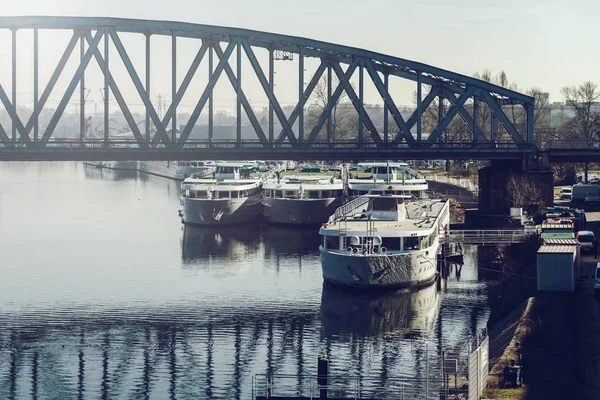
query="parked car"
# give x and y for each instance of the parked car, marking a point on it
(586, 240)
(597, 281)
(566, 194)
(595, 180)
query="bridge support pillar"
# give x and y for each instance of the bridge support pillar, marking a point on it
(495, 196)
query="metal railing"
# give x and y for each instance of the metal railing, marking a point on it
(575, 144)
(349, 207)
(356, 388)
(487, 236)
(257, 144)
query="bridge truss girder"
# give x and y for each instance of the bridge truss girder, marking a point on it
(402, 134)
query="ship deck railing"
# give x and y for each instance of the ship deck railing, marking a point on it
(348, 208)
(288, 387)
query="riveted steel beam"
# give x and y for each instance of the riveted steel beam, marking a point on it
(111, 86)
(243, 99)
(223, 60)
(160, 128)
(391, 106)
(358, 106)
(270, 95)
(470, 121)
(309, 89)
(71, 88)
(344, 80)
(490, 101)
(439, 130)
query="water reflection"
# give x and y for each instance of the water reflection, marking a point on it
(284, 241)
(230, 242)
(413, 313)
(91, 172)
(119, 300)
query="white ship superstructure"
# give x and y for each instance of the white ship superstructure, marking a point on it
(226, 198)
(301, 199)
(396, 178)
(178, 170)
(382, 241)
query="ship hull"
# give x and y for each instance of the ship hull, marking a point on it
(167, 170)
(221, 211)
(379, 271)
(299, 211)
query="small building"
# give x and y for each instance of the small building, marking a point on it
(556, 268)
(567, 242)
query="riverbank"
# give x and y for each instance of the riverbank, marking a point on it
(558, 335)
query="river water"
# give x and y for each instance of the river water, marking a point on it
(104, 294)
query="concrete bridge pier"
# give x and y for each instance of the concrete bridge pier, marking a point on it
(495, 197)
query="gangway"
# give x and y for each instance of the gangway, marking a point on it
(486, 236)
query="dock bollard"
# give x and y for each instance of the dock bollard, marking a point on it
(322, 376)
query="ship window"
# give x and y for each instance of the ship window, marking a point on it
(313, 194)
(201, 193)
(391, 243)
(222, 195)
(383, 204)
(331, 242)
(278, 194)
(411, 243)
(290, 193)
(234, 194)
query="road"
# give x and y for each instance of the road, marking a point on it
(587, 322)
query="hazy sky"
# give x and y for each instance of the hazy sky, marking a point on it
(546, 44)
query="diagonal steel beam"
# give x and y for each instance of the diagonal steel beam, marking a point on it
(490, 101)
(309, 89)
(4, 137)
(267, 88)
(74, 82)
(53, 79)
(207, 90)
(118, 96)
(334, 98)
(16, 121)
(412, 120)
(404, 129)
(245, 103)
(439, 130)
(465, 116)
(358, 106)
(160, 128)
(186, 82)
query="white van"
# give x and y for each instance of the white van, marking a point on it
(597, 281)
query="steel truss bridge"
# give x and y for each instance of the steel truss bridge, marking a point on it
(287, 136)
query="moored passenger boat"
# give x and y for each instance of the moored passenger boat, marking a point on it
(178, 170)
(395, 178)
(227, 198)
(301, 199)
(381, 241)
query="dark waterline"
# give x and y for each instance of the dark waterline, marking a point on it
(104, 294)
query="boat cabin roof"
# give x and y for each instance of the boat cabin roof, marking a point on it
(384, 164)
(421, 219)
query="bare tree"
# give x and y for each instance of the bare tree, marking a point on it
(586, 122)
(524, 190)
(343, 114)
